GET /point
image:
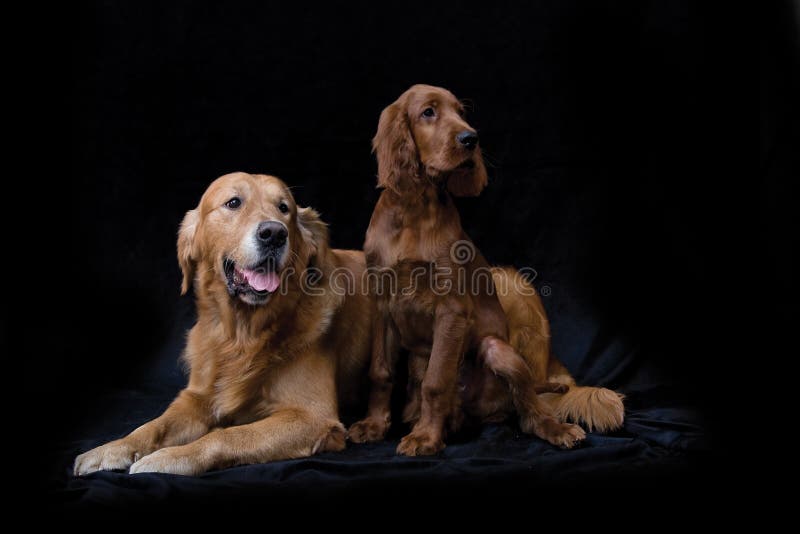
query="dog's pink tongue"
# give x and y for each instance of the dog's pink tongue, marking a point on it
(261, 281)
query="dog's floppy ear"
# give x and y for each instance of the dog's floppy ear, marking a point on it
(469, 184)
(187, 249)
(394, 147)
(315, 234)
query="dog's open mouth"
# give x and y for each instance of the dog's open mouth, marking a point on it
(260, 280)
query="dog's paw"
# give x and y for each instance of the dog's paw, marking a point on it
(172, 460)
(332, 440)
(420, 444)
(118, 454)
(564, 435)
(369, 429)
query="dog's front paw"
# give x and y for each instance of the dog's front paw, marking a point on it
(172, 460)
(369, 429)
(420, 444)
(119, 454)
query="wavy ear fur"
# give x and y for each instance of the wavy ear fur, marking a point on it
(315, 233)
(469, 184)
(187, 249)
(394, 147)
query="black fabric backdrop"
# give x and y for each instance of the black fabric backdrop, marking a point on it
(595, 120)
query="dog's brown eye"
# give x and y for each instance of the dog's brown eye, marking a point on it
(283, 207)
(428, 112)
(234, 203)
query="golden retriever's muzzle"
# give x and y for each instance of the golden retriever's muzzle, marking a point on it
(254, 283)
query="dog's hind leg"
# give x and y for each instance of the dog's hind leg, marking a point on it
(535, 416)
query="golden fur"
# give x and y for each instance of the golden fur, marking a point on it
(265, 379)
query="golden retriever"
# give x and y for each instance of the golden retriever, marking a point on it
(274, 351)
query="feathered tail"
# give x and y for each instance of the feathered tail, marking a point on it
(598, 409)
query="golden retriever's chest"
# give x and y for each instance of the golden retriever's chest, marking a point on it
(240, 392)
(234, 395)
(240, 367)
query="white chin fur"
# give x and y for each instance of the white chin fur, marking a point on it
(249, 252)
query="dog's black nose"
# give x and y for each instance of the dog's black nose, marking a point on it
(271, 234)
(468, 138)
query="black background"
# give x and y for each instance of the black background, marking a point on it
(601, 123)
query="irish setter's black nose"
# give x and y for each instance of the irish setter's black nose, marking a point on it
(468, 138)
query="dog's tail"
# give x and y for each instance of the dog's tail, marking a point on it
(598, 409)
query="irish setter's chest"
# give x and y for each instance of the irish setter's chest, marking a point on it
(424, 233)
(409, 254)
(416, 291)
(412, 302)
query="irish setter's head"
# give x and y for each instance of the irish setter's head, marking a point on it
(423, 135)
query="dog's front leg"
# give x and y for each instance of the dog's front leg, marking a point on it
(186, 419)
(385, 351)
(439, 394)
(287, 433)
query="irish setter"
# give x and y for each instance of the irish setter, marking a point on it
(493, 343)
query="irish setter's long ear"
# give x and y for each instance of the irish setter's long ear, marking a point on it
(187, 250)
(315, 234)
(469, 184)
(394, 147)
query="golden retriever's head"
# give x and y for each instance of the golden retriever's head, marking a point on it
(424, 132)
(247, 231)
